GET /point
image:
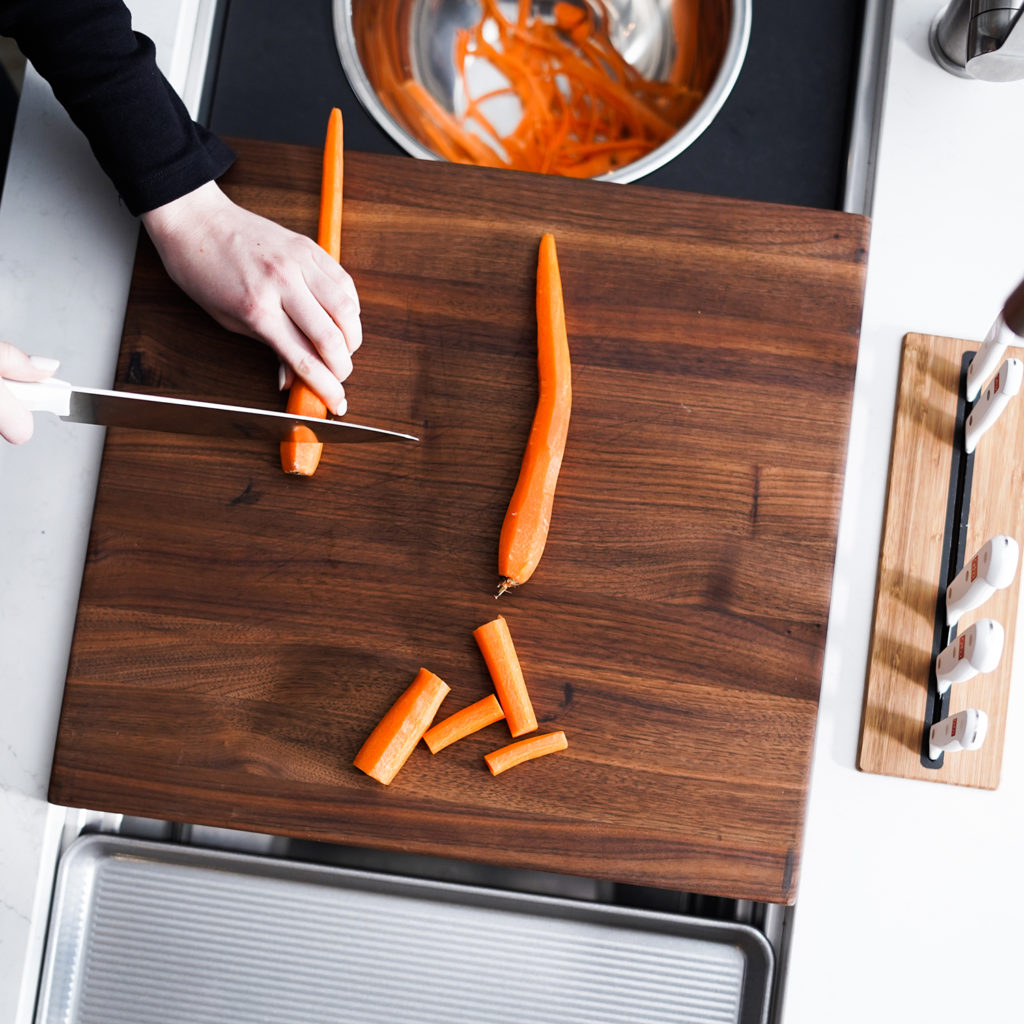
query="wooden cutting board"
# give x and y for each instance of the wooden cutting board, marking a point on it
(240, 632)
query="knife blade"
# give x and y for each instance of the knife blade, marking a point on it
(181, 416)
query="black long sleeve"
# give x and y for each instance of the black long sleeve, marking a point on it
(105, 75)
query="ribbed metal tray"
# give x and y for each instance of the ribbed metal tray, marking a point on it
(159, 934)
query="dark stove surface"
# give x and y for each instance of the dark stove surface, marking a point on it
(781, 136)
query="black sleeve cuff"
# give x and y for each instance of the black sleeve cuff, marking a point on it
(206, 161)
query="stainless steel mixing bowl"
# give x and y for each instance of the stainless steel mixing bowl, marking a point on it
(641, 30)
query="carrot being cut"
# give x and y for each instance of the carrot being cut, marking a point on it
(525, 750)
(495, 643)
(464, 723)
(388, 747)
(301, 455)
(524, 532)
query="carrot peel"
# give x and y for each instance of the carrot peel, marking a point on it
(464, 723)
(394, 738)
(495, 643)
(300, 455)
(525, 529)
(525, 750)
(571, 83)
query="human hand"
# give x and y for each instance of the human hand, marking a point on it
(257, 278)
(15, 420)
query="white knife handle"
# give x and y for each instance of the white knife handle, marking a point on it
(977, 649)
(992, 568)
(49, 395)
(1008, 327)
(987, 358)
(1005, 384)
(963, 731)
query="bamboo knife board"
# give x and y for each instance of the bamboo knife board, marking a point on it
(910, 581)
(240, 632)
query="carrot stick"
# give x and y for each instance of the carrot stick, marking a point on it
(388, 747)
(495, 643)
(464, 723)
(301, 455)
(525, 750)
(525, 529)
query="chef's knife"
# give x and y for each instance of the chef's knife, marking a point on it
(180, 416)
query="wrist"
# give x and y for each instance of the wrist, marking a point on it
(185, 212)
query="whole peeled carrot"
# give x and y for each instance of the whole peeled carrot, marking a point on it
(495, 643)
(525, 529)
(388, 747)
(525, 750)
(301, 455)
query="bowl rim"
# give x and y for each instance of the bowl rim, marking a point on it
(728, 72)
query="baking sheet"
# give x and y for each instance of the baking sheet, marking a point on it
(159, 934)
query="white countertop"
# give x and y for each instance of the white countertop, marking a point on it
(908, 904)
(909, 897)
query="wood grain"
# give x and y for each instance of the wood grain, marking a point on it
(909, 577)
(240, 632)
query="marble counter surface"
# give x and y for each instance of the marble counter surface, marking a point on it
(908, 903)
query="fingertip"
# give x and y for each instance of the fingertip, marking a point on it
(18, 426)
(339, 362)
(354, 334)
(46, 365)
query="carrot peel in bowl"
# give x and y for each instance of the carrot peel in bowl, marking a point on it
(583, 109)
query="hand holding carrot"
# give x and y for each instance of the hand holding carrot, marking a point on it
(257, 278)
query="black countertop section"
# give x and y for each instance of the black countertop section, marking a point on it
(781, 136)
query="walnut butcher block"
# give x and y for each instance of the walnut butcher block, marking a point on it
(240, 632)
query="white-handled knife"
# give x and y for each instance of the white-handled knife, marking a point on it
(181, 416)
(963, 731)
(1003, 386)
(977, 649)
(992, 568)
(1007, 328)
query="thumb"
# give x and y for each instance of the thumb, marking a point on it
(15, 365)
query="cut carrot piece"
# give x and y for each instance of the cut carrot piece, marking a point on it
(495, 643)
(301, 455)
(524, 532)
(525, 750)
(388, 747)
(464, 723)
